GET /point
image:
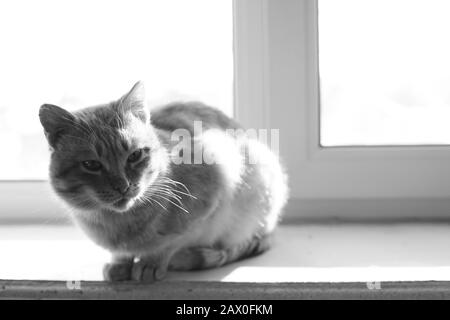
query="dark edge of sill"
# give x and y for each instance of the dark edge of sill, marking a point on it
(185, 290)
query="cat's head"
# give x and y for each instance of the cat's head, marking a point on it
(103, 157)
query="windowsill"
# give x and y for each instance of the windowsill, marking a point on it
(304, 257)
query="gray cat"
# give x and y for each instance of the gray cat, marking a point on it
(119, 170)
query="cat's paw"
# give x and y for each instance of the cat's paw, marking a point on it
(117, 271)
(146, 271)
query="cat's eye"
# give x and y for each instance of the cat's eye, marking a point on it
(92, 165)
(135, 156)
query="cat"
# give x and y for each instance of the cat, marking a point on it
(117, 167)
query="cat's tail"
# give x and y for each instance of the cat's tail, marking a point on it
(197, 258)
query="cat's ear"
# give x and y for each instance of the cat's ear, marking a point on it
(55, 121)
(135, 102)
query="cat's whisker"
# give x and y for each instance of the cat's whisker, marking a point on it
(167, 192)
(160, 186)
(168, 196)
(175, 190)
(145, 201)
(168, 200)
(141, 200)
(179, 193)
(160, 204)
(149, 200)
(165, 197)
(165, 181)
(176, 183)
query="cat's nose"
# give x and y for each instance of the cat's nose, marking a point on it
(120, 185)
(123, 189)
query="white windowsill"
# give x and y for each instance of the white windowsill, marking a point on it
(301, 254)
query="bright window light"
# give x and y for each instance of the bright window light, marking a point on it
(384, 72)
(78, 53)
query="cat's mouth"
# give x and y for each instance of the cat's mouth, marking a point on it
(123, 204)
(126, 201)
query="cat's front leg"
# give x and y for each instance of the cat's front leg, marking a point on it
(150, 268)
(119, 269)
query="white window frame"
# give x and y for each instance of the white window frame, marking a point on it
(277, 87)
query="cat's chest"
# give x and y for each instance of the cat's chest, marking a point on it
(122, 234)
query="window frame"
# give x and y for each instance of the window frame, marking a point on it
(333, 182)
(276, 86)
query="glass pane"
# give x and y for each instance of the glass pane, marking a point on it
(384, 72)
(77, 53)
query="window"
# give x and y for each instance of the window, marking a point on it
(384, 72)
(331, 176)
(61, 53)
